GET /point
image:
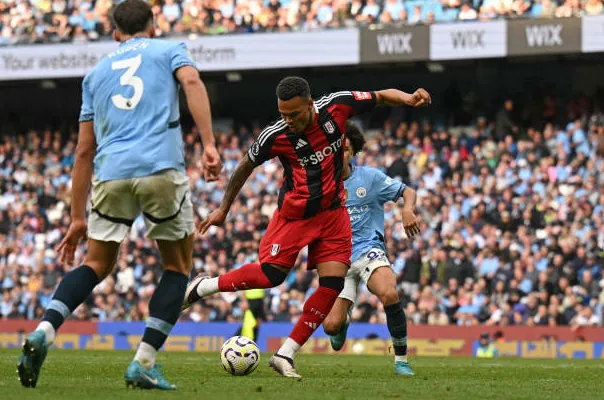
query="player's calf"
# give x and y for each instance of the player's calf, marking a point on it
(164, 309)
(72, 291)
(252, 276)
(249, 276)
(338, 317)
(397, 326)
(337, 323)
(382, 283)
(314, 313)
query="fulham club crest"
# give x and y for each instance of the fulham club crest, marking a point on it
(275, 249)
(329, 127)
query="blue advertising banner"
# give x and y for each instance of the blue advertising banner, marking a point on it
(371, 339)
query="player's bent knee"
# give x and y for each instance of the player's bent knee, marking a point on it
(389, 297)
(274, 274)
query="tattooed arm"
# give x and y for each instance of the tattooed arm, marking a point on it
(242, 173)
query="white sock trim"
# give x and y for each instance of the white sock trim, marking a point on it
(145, 355)
(49, 331)
(400, 358)
(207, 287)
(289, 348)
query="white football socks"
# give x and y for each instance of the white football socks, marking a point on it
(207, 287)
(289, 348)
(48, 330)
(400, 358)
(145, 355)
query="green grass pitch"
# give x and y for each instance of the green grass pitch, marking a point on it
(87, 375)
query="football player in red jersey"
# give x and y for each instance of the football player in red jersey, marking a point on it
(309, 139)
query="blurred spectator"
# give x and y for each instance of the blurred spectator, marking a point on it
(55, 21)
(467, 12)
(593, 7)
(504, 122)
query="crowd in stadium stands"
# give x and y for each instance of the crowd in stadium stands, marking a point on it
(512, 232)
(80, 21)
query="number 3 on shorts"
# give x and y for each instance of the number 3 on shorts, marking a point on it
(129, 78)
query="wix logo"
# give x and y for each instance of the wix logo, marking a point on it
(301, 143)
(468, 39)
(544, 35)
(395, 43)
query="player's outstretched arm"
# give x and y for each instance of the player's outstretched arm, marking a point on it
(419, 98)
(80, 185)
(410, 221)
(199, 106)
(242, 173)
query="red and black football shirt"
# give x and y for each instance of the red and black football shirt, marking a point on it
(312, 161)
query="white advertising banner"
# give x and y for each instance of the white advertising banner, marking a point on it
(50, 61)
(468, 40)
(593, 34)
(212, 53)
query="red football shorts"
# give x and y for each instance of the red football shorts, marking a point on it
(327, 235)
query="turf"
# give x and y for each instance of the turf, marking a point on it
(98, 375)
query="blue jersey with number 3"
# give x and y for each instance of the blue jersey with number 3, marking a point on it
(131, 96)
(367, 189)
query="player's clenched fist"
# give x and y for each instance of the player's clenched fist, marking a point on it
(420, 98)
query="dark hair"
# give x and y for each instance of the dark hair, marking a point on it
(293, 86)
(355, 136)
(132, 16)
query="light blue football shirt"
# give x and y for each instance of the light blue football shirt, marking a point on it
(131, 95)
(367, 189)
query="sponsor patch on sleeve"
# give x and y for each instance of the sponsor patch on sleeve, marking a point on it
(362, 95)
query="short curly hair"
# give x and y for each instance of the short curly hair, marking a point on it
(355, 136)
(293, 86)
(132, 16)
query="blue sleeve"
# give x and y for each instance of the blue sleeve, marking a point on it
(387, 189)
(87, 110)
(180, 57)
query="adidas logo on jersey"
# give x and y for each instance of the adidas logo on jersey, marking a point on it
(301, 143)
(311, 325)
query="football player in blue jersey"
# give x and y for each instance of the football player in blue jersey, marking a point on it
(367, 189)
(130, 136)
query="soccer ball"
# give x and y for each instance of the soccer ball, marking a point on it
(239, 356)
(358, 348)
